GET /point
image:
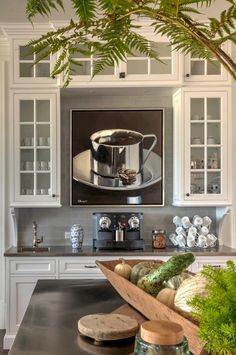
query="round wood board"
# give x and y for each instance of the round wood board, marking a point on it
(108, 326)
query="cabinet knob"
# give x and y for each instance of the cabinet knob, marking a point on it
(122, 75)
(187, 75)
(53, 195)
(188, 194)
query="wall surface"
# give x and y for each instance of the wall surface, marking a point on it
(52, 223)
(18, 15)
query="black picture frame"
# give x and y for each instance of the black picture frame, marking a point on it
(91, 189)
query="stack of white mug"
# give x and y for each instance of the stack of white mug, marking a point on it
(193, 234)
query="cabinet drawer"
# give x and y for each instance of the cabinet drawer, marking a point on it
(220, 261)
(73, 266)
(33, 266)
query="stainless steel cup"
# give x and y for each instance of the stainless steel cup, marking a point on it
(113, 150)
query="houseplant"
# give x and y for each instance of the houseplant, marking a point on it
(108, 28)
(216, 311)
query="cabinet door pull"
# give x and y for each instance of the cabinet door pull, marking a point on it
(122, 75)
(90, 266)
(187, 75)
(187, 194)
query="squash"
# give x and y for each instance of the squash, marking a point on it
(188, 289)
(176, 281)
(143, 268)
(152, 283)
(167, 296)
(123, 269)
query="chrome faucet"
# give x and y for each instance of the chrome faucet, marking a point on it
(36, 240)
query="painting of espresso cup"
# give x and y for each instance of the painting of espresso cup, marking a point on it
(113, 150)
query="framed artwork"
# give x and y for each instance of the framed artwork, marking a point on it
(117, 157)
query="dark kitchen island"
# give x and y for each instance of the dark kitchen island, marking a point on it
(49, 326)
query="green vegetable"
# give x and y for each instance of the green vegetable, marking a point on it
(153, 282)
(176, 281)
(216, 311)
(141, 269)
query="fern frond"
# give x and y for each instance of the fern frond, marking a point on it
(42, 7)
(85, 9)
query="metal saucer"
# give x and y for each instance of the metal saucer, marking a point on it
(82, 172)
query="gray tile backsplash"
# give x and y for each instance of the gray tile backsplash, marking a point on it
(53, 222)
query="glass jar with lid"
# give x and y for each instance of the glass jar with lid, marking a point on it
(159, 238)
(161, 338)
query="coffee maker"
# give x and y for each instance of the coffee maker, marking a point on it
(118, 231)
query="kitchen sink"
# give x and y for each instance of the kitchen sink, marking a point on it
(33, 249)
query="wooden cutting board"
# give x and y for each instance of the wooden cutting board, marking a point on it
(112, 326)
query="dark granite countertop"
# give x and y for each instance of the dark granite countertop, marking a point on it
(50, 324)
(55, 251)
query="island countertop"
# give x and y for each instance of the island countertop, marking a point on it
(50, 324)
(148, 251)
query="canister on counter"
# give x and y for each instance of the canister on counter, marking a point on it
(161, 338)
(159, 238)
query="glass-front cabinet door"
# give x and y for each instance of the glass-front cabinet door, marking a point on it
(199, 69)
(24, 70)
(35, 149)
(136, 67)
(205, 145)
(139, 67)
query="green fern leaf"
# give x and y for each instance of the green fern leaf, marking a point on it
(85, 9)
(42, 7)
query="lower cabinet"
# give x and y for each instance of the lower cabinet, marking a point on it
(216, 261)
(22, 274)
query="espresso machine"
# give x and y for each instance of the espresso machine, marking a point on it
(118, 231)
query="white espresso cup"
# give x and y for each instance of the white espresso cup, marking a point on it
(177, 221)
(206, 221)
(29, 165)
(211, 240)
(190, 240)
(202, 241)
(186, 222)
(42, 141)
(181, 240)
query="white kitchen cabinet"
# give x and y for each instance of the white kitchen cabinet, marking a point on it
(216, 261)
(137, 70)
(24, 72)
(82, 268)
(202, 147)
(35, 148)
(21, 277)
(199, 71)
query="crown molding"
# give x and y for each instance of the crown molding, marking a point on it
(21, 29)
(4, 48)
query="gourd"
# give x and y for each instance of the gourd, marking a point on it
(167, 296)
(141, 269)
(123, 269)
(175, 282)
(153, 282)
(187, 290)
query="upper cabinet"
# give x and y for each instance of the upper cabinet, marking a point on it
(24, 71)
(198, 70)
(202, 143)
(35, 154)
(137, 68)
